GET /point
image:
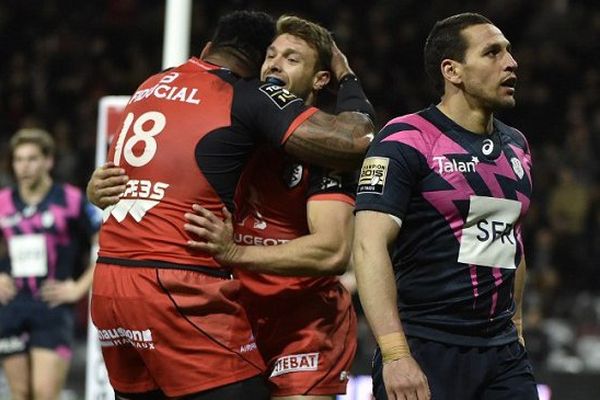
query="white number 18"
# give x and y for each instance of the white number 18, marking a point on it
(139, 135)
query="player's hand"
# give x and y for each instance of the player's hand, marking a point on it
(7, 288)
(60, 292)
(107, 184)
(215, 235)
(404, 379)
(339, 63)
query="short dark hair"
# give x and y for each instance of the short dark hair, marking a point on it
(245, 35)
(314, 34)
(446, 41)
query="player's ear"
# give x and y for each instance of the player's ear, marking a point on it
(206, 50)
(451, 71)
(321, 79)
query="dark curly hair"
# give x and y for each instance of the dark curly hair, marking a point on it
(245, 35)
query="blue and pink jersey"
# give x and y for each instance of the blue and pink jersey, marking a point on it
(461, 198)
(44, 241)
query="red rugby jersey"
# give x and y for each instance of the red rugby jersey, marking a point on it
(275, 212)
(186, 136)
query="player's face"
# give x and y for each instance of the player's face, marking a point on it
(290, 59)
(489, 69)
(30, 165)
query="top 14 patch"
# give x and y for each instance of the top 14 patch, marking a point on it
(278, 95)
(373, 175)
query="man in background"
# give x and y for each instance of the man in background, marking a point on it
(44, 226)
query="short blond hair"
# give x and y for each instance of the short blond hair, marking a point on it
(314, 34)
(36, 136)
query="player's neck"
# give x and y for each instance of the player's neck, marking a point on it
(311, 99)
(471, 117)
(34, 193)
(234, 64)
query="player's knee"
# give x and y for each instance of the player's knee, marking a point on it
(19, 394)
(45, 392)
(19, 390)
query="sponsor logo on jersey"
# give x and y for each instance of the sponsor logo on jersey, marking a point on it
(12, 344)
(488, 236)
(517, 167)
(139, 197)
(164, 91)
(373, 175)
(331, 181)
(487, 147)
(258, 221)
(278, 95)
(140, 339)
(444, 165)
(295, 363)
(248, 347)
(252, 240)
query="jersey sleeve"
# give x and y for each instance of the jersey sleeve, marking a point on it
(326, 184)
(90, 217)
(271, 112)
(389, 174)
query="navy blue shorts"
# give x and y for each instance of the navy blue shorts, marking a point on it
(26, 323)
(468, 373)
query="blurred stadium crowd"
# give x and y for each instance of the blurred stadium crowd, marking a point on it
(60, 57)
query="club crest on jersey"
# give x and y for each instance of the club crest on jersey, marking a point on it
(373, 175)
(517, 167)
(278, 95)
(292, 175)
(443, 165)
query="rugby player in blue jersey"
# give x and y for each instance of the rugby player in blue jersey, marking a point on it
(438, 246)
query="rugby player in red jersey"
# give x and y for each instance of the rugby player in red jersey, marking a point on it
(295, 220)
(167, 315)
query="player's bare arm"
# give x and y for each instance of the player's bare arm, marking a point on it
(373, 233)
(339, 63)
(336, 141)
(7, 288)
(324, 251)
(106, 184)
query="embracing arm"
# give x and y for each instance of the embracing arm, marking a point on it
(374, 231)
(106, 184)
(335, 141)
(324, 251)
